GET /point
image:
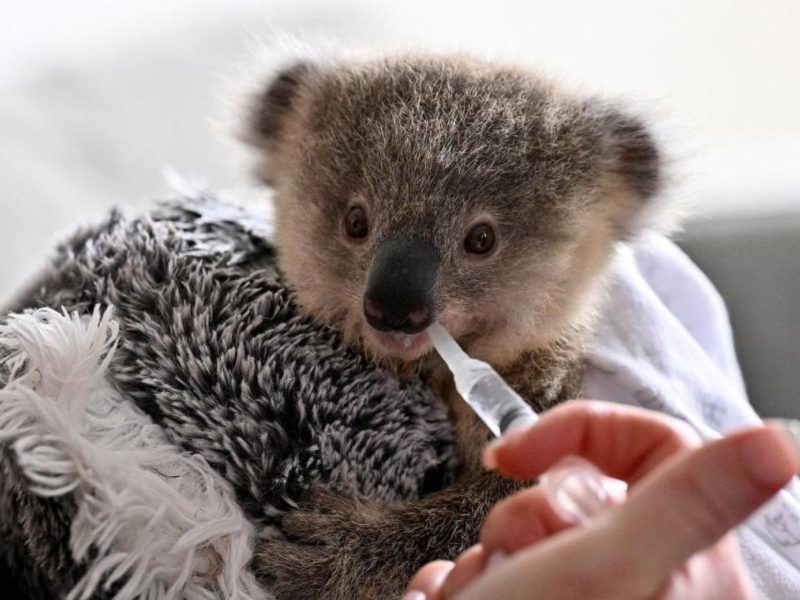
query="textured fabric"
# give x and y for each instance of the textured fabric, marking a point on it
(211, 348)
(153, 521)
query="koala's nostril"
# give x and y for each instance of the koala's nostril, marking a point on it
(372, 310)
(419, 318)
(375, 315)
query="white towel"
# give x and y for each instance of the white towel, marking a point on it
(665, 343)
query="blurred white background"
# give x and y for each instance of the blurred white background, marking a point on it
(97, 96)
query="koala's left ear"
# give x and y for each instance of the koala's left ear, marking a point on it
(634, 162)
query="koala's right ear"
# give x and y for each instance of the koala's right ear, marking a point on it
(271, 108)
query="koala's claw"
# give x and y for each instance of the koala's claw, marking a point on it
(331, 551)
(339, 548)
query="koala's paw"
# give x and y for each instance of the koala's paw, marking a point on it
(334, 548)
(294, 570)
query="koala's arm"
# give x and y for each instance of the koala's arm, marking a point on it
(338, 548)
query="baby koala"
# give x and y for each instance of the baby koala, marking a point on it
(414, 188)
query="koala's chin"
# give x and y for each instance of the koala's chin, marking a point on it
(400, 347)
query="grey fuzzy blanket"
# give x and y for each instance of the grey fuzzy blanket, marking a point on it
(211, 348)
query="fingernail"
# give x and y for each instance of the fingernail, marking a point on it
(495, 558)
(509, 437)
(414, 595)
(489, 458)
(790, 428)
(764, 455)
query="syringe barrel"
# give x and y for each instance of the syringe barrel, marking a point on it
(495, 402)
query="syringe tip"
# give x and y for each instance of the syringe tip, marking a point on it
(446, 346)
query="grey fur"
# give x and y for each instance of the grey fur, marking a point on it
(212, 348)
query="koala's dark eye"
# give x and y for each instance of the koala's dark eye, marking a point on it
(355, 223)
(480, 239)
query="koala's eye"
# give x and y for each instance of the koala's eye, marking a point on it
(355, 223)
(480, 239)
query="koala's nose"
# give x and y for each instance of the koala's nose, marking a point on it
(400, 286)
(412, 321)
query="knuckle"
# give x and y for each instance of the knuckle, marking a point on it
(701, 511)
(686, 434)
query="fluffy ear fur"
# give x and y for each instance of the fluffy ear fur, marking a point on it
(264, 95)
(270, 109)
(634, 163)
(634, 154)
(269, 86)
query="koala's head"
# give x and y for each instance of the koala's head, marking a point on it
(411, 189)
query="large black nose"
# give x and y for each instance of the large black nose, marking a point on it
(400, 285)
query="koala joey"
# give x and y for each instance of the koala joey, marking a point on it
(414, 188)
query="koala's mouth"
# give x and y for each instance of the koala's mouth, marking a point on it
(403, 346)
(409, 347)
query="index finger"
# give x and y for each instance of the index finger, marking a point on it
(623, 441)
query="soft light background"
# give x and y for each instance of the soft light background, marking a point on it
(98, 96)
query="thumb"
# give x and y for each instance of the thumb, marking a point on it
(685, 505)
(697, 498)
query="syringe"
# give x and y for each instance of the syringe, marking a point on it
(575, 488)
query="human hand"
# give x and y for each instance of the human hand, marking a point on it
(669, 540)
